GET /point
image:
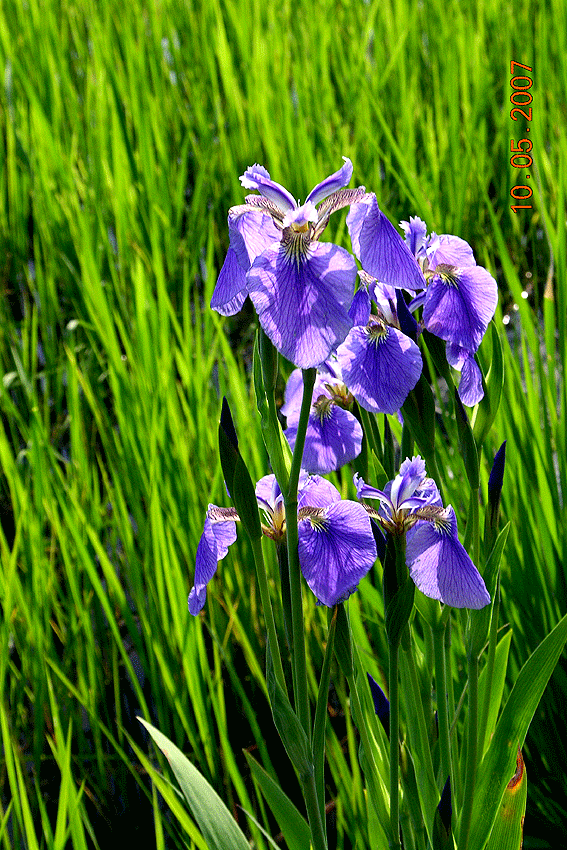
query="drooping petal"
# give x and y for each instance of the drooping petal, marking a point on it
(251, 231)
(336, 550)
(470, 386)
(231, 287)
(459, 304)
(256, 177)
(440, 566)
(335, 181)
(217, 536)
(302, 299)
(379, 368)
(331, 440)
(380, 248)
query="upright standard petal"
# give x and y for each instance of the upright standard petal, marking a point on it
(218, 535)
(302, 299)
(380, 365)
(331, 184)
(380, 248)
(440, 566)
(336, 550)
(256, 177)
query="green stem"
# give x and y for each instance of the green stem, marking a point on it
(320, 724)
(472, 752)
(394, 696)
(301, 694)
(441, 688)
(309, 789)
(490, 661)
(268, 612)
(417, 707)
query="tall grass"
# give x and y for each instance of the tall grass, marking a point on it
(124, 130)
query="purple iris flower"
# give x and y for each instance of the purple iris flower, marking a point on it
(438, 563)
(334, 435)
(301, 288)
(458, 303)
(379, 363)
(336, 544)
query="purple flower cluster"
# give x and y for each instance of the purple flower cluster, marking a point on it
(437, 561)
(336, 543)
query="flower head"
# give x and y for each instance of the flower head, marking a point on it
(336, 544)
(334, 435)
(459, 300)
(438, 563)
(301, 288)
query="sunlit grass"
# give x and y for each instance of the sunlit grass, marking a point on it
(125, 129)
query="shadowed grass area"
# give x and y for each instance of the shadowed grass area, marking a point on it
(124, 131)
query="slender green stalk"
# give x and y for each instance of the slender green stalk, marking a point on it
(441, 688)
(417, 707)
(310, 796)
(319, 726)
(268, 612)
(301, 695)
(490, 660)
(394, 696)
(472, 753)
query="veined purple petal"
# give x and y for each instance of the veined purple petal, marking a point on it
(440, 566)
(407, 481)
(256, 177)
(302, 300)
(316, 492)
(460, 304)
(381, 370)
(251, 231)
(335, 181)
(331, 440)
(216, 538)
(451, 250)
(416, 232)
(380, 248)
(336, 550)
(231, 287)
(470, 386)
(366, 491)
(359, 310)
(267, 491)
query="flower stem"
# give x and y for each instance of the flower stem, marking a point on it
(299, 659)
(441, 688)
(394, 696)
(268, 612)
(472, 752)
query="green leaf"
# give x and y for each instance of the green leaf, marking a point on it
(508, 826)
(497, 682)
(480, 619)
(293, 825)
(287, 723)
(220, 830)
(498, 763)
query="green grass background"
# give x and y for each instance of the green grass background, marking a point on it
(124, 129)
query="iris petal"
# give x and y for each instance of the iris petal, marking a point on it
(330, 441)
(336, 551)
(302, 301)
(441, 568)
(212, 548)
(380, 248)
(379, 372)
(459, 309)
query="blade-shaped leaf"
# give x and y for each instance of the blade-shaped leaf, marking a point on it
(498, 764)
(220, 830)
(293, 825)
(508, 826)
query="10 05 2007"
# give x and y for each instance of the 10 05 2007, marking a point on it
(521, 157)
